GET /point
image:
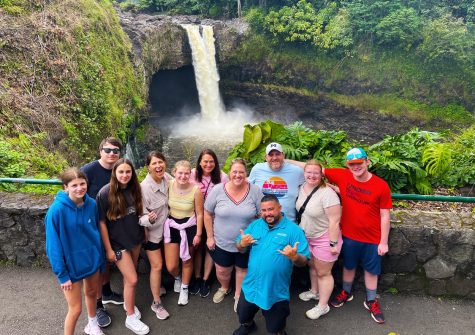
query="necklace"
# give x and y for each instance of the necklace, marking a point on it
(181, 191)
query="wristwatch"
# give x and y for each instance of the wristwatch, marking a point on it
(333, 243)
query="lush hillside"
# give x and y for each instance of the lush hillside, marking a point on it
(66, 81)
(395, 56)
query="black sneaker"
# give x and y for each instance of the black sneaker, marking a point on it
(195, 286)
(205, 289)
(103, 318)
(373, 307)
(114, 298)
(246, 329)
(340, 299)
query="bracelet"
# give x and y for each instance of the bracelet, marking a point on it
(333, 243)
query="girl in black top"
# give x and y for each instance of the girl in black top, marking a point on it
(120, 206)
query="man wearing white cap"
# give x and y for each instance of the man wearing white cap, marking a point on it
(366, 201)
(279, 178)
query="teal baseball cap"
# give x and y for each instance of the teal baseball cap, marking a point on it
(356, 155)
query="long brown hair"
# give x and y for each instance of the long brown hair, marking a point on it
(215, 174)
(117, 201)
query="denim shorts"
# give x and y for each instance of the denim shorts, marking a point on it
(355, 252)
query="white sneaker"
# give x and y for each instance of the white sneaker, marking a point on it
(183, 298)
(136, 312)
(177, 285)
(135, 325)
(93, 330)
(308, 295)
(220, 294)
(317, 312)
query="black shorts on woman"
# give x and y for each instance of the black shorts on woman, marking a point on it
(175, 236)
(227, 258)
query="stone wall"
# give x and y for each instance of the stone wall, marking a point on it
(432, 253)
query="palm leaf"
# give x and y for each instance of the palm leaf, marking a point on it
(437, 158)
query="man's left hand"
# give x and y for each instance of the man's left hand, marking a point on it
(290, 252)
(382, 249)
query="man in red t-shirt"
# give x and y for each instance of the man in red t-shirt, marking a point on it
(366, 201)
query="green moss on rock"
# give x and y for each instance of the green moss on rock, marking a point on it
(66, 73)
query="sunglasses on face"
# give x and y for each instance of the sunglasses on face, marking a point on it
(109, 150)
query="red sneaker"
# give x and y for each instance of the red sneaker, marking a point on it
(339, 299)
(373, 307)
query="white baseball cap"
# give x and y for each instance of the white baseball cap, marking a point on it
(274, 146)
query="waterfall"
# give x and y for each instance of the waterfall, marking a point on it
(206, 71)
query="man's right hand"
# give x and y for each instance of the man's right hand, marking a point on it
(246, 240)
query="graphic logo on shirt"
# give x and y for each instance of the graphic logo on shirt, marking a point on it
(130, 210)
(358, 194)
(276, 186)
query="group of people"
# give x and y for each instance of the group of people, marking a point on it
(259, 226)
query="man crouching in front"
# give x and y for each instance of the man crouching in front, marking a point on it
(276, 245)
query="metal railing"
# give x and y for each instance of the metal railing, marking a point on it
(30, 181)
(395, 196)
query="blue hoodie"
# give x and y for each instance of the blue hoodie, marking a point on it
(73, 240)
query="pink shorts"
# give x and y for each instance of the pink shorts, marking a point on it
(320, 247)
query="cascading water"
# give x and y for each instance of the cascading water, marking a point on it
(214, 127)
(214, 122)
(206, 71)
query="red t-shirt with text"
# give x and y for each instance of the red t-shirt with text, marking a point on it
(362, 201)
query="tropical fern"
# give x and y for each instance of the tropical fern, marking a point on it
(437, 158)
(410, 162)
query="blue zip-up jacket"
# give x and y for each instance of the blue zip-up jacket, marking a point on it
(73, 241)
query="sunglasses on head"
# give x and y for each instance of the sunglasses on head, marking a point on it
(109, 150)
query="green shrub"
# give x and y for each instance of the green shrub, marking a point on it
(26, 157)
(412, 162)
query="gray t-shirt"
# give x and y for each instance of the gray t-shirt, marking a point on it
(229, 216)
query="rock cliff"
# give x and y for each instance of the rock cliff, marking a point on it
(160, 42)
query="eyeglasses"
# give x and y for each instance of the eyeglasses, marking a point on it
(109, 150)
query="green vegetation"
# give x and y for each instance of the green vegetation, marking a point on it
(394, 105)
(414, 56)
(66, 81)
(209, 8)
(22, 156)
(413, 162)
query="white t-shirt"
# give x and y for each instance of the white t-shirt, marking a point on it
(314, 221)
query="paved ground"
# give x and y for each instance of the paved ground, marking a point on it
(32, 303)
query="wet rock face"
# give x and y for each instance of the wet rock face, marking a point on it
(429, 252)
(160, 42)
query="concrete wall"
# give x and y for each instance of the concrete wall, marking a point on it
(432, 253)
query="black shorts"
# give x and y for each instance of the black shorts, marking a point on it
(151, 246)
(275, 317)
(226, 258)
(190, 232)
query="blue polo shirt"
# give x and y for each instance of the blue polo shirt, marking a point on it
(268, 276)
